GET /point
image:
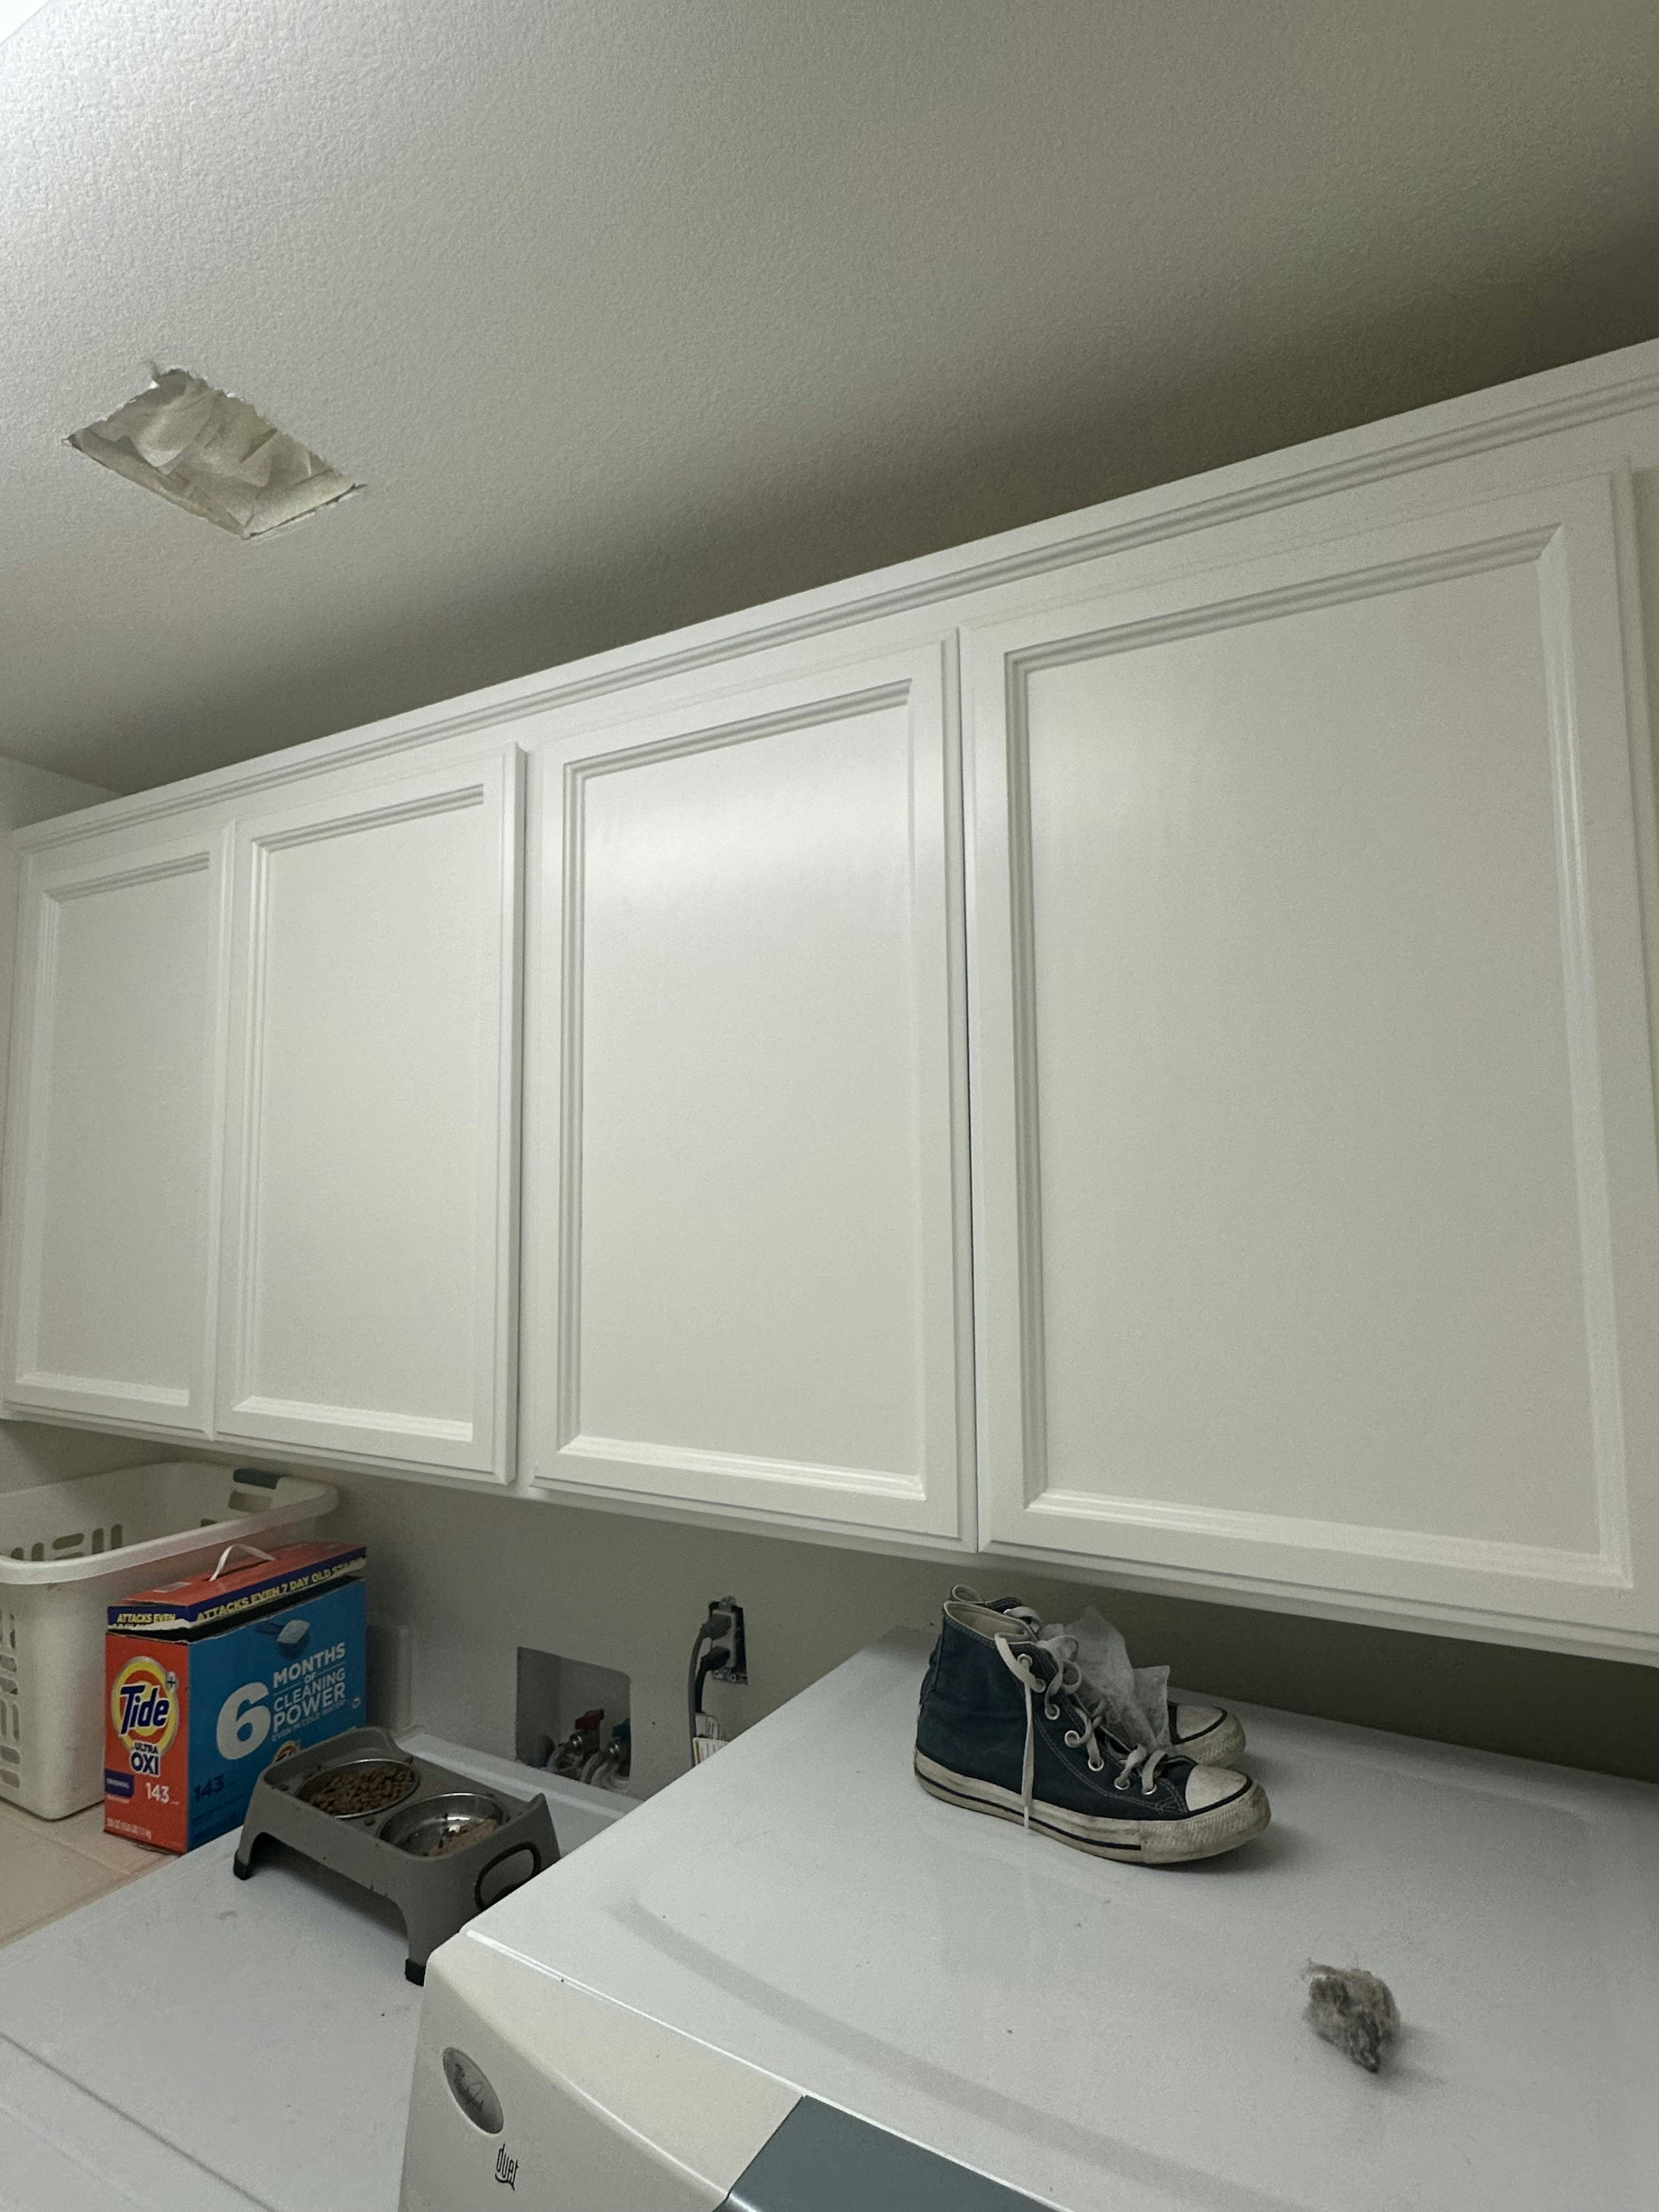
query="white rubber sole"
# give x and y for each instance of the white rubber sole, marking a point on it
(1220, 1746)
(1146, 1842)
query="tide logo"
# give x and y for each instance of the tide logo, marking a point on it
(143, 1706)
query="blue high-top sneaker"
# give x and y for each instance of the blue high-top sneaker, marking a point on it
(1002, 1730)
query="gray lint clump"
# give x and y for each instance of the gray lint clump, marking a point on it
(1354, 2011)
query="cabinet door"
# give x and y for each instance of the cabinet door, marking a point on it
(111, 1167)
(1316, 1198)
(368, 1263)
(745, 1172)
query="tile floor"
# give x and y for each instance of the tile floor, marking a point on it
(47, 1867)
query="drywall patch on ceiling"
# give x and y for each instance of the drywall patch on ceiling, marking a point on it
(214, 455)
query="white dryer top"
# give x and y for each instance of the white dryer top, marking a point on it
(1122, 2038)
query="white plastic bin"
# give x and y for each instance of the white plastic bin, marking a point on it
(67, 1550)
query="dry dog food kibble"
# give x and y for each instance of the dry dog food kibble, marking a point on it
(354, 1790)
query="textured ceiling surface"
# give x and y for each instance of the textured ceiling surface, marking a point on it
(632, 312)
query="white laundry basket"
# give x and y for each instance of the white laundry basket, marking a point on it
(67, 1550)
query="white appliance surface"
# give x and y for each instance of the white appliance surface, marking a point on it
(199, 2044)
(1113, 2039)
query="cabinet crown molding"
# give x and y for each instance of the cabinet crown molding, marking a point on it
(1554, 400)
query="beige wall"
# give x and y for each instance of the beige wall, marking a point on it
(474, 1578)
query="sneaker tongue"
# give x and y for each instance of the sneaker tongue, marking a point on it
(1133, 1701)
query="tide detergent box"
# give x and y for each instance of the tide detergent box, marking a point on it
(207, 1681)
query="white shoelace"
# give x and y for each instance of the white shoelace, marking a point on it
(1046, 1634)
(1067, 1682)
(1085, 1692)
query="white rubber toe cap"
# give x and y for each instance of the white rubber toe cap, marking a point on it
(1207, 1733)
(1195, 1720)
(1213, 1785)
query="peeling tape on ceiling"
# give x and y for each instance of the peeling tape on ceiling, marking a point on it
(214, 455)
(14, 14)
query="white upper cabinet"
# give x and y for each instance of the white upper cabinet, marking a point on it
(1316, 1203)
(745, 1188)
(1295, 954)
(368, 1223)
(111, 1160)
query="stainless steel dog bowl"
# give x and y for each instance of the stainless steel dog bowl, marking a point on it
(347, 1775)
(435, 1826)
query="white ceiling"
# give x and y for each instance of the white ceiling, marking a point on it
(632, 312)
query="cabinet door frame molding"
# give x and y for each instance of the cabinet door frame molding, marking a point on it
(939, 1503)
(52, 880)
(1569, 537)
(480, 1445)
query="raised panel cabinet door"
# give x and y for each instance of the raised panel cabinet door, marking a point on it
(1316, 1215)
(368, 1262)
(112, 1149)
(745, 1165)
